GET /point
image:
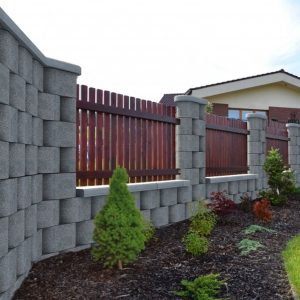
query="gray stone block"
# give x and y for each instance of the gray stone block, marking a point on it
(47, 213)
(24, 192)
(150, 199)
(184, 194)
(191, 208)
(24, 257)
(233, 187)
(168, 197)
(31, 100)
(210, 188)
(253, 159)
(84, 232)
(30, 220)
(3, 236)
(199, 127)
(37, 245)
(4, 88)
(190, 174)
(48, 160)
(68, 109)
(198, 192)
(59, 134)
(146, 214)
(137, 199)
(255, 123)
(8, 197)
(185, 127)
(75, 210)
(198, 159)
(37, 188)
(237, 198)
(97, 204)
(24, 128)
(160, 216)
(31, 154)
(184, 160)
(58, 238)
(37, 75)
(8, 270)
(16, 229)
(255, 147)
(177, 213)
(16, 160)
(9, 51)
(59, 82)
(59, 186)
(49, 107)
(8, 123)
(258, 184)
(185, 142)
(17, 92)
(254, 135)
(37, 131)
(4, 160)
(243, 186)
(25, 64)
(251, 185)
(67, 160)
(223, 187)
(187, 110)
(293, 150)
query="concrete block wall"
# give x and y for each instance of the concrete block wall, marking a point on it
(37, 132)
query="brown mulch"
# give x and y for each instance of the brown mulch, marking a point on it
(160, 268)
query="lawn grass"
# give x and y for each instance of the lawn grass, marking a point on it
(291, 256)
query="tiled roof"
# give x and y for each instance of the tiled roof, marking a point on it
(168, 99)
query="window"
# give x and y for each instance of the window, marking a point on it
(245, 113)
(233, 113)
(242, 113)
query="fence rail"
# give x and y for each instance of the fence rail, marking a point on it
(113, 129)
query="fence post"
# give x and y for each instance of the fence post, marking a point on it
(294, 149)
(256, 124)
(190, 142)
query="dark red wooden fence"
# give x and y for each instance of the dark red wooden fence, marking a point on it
(226, 146)
(277, 137)
(116, 130)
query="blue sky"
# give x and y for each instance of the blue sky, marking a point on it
(148, 48)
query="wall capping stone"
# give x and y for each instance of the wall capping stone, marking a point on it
(229, 178)
(183, 98)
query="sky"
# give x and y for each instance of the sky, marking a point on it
(148, 48)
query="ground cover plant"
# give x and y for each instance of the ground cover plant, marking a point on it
(257, 228)
(246, 246)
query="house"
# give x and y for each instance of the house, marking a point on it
(275, 94)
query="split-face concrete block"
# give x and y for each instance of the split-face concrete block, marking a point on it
(223, 187)
(17, 92)
(67, 160)
(31, 100)
(168, 197)
(49, 106)
(233, 187)
(185, 127)
(16, 160)
(190, 174)
(184, 160)
(254, 135)
(24, 192)
(4, 88)
(58, 238)
(184, 194)
(146, 214)
(199, 127)
(3, 236)
(243, 186)
(202, 144)
(8, 123)
(4, 160)
(251, 185)
(31, 154)
(254, 195)
(187, 110)
(47, 213)
(160, 216)
(210, 188)
(59, 134)
(137, 199)
(198, 159)
(8, 270)
(75, 210)
(293, 150)
(16, 229)
(68, 109)
(185, 142)
(150, 199)
(8, 197)
(258, 184)
(24, 257)
(97, 204)
(255, 147)
(177, 213)
(60, 82)
(37, 188)
(48, 160)
(37, 245)
(198, 192)
(9, 51)
(37, 131)
(24, 128)
(25, 64)
(37, 75)
(84, 232)
(253, 159)
(191, 208)
(30, 220)
(237, 197)
(59, 186)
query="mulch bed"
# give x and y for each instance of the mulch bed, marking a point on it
(164, 263)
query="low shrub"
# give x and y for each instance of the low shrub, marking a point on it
(195, 243)
(205, 287)
(261, 210)
(246, 246)
(221, 204)
(149, 230)
(257, 228)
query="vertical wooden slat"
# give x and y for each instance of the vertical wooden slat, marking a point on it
(99, 137)
(139, 144)
(149, 141)
(144, 139)
(107, 136)
(173, 152)
(78, 129)
(126, 135)
(113, 149)
(91, 136)
(121, 137)
(83, 138)
(160, 141)
(155, 158)
(132, 139)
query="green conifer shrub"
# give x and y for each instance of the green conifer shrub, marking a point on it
(119, 232)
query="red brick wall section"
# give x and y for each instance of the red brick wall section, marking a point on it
(283, 114)
(220, 109)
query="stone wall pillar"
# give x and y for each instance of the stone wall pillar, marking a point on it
(294, 149)
(190, 143)
(256, 124)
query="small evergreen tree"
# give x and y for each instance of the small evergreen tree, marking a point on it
(119, 231)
